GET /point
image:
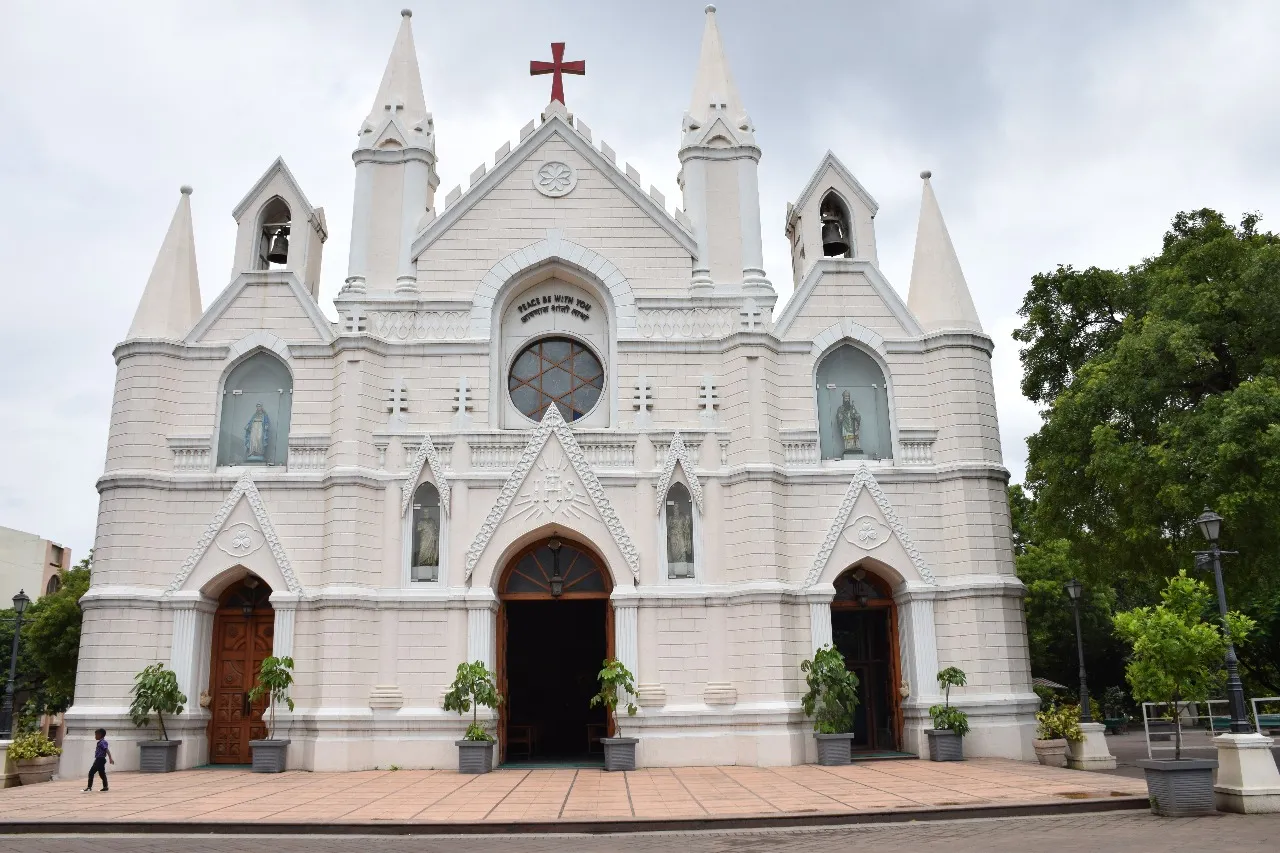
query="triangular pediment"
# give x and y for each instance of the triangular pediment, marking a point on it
(553, 126)
(428, 456)
(678, 454)
(853, 286)
(240, 534)
(865, 524)
(277, 180)
(295, 316)
(832, 173)
(552, 481)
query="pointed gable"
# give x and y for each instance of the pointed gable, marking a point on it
(568, 469)
(399, 117)
(170, 303)
(427, 455)
(678, 454)
(240, 533)
(939, 295)
(863, 534)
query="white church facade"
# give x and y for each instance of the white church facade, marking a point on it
(555, 420)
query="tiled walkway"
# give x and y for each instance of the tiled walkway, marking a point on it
(518, 796)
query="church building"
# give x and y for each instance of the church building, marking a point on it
(558, 418)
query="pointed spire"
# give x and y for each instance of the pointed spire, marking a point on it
(170, 304)
(401, 83)
(939, 296)
(714, 83)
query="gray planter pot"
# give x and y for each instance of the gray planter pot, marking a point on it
(33, 771)
(945, 745)
(833, 750)
(1180, 788)
(475, 756)
(158, 756)
(269, 756)
(1051, 753)
(619, 752)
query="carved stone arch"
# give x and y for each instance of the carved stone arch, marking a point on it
(845, 210)
(554, 248)
(850, 333)
(428, 457)
(678, 454)
(506, 545)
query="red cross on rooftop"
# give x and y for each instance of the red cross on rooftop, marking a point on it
(556, 67)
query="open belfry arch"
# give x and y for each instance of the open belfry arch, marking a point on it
(558, 416)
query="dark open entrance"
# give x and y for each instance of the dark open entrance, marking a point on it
(555, 635)
(864, 630)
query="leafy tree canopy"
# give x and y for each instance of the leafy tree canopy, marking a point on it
(1160, 387)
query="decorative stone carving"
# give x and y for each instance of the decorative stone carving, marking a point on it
(686, 323)
(246, 489)
(867, 532)
(553, 422)
(550, 491)
(555, 179)
(678, 453)
(240, 540)
(419, 325)
(862, 479)
(426, 455)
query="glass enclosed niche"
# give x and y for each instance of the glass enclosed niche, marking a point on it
(257, 399)
(853, 407)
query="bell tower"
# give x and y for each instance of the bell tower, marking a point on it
(396, 177)
(719, 161)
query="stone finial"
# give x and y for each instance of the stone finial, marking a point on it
(711, 9)
(926, 175)
(406, 13)
(185, 189)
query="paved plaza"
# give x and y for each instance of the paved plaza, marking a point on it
(1114, 832)
(384, 797)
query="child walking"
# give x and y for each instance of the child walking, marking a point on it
(101, 755)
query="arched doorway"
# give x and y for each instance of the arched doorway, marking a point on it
(864, 628)
(555, 628)
(243, 631)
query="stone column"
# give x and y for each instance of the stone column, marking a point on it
(182, 650)
(285, 605)
(413, 205)
(386, 694)
(694, 175)
(749, 219)
(918, 641)
(712, 563)
(650, 692)
(393, 570)
(719, 689)
(361, 220)
(626, 641)
(482, 631)
(819, 624)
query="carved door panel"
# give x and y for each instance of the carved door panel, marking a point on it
(240, 644)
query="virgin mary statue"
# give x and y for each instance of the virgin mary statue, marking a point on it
(256, 435)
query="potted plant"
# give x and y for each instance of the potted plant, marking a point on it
(617, 680)
(831, 701)
(1177, 659)
(155, 690)
(1056, 726)
(1113, 713)
(949, 724)
(472, 687)
(35, 757)
(275, 676)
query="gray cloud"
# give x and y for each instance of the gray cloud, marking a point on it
(1057, 133)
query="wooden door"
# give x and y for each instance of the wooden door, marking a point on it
(240, 643)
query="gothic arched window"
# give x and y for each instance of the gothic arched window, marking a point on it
(837, 235)
(273, 235)
(424, 554)
(853, 406)
(257, 399)
(679, 530)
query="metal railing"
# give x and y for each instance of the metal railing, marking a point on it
(1266, 721)
(1197, 728)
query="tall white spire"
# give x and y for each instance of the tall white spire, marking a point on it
(714, 84)
(170, 304)
(939, 296)
(401, 82)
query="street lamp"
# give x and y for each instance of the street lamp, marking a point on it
(1210, 524)
(20, 602)
(1074, 589)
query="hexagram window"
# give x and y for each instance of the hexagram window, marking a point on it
(555, 370)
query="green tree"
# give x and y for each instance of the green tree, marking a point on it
(833, 692)
(1160, 388)
(1177, 656)
(50, 645)
(472, 687)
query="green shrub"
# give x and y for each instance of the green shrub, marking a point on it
(472, 687)
(833, 692)
(155, 690)
(615, 680)
(944, 716)
(33, 745)
(275, 676)
(1059, 722)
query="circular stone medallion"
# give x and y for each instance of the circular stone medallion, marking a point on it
(555, 178)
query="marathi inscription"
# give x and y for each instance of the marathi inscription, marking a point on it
(557, 303)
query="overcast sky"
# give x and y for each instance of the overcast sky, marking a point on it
(1057, 133)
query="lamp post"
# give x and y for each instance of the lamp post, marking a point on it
(20, 602)
(1210, 524)
(1074, 589)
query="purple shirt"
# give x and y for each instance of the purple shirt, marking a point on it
(100, 751)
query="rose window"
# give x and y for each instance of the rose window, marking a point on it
(555, 370)
(555, 178)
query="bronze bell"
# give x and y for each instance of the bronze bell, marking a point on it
(278, 248)
(834, 242)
